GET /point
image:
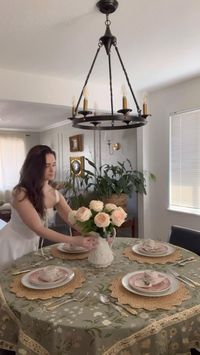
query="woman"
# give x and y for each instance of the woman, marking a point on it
(32, 198)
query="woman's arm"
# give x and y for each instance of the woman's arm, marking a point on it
(31, 218)
(63, 210)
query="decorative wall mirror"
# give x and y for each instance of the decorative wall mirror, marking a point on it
(77, 165)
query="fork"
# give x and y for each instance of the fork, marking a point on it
(81, 297)
(184, 279)
(185, 261)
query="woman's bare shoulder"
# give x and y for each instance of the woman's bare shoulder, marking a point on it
(19, 194)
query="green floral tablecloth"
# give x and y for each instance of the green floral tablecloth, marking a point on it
(92, 328)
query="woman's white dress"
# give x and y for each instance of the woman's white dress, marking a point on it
(16, 239)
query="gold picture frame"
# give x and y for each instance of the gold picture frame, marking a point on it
(76, 143)
(77, 166)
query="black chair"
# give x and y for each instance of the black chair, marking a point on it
(194, 352)
(185, 238)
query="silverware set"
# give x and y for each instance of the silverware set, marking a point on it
(185, 279)
(81, 296)
(185, 261)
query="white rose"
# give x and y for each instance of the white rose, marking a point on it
(72, 217)
(110, 207)
(96, 206)
(118, 216)
(83, 214)
(102, 220)
(122, 211)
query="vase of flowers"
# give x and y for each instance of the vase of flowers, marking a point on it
(101, 221)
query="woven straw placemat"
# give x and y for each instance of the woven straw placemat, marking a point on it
(175, 256)
(68, 256)
(30, 294)
(149, 303)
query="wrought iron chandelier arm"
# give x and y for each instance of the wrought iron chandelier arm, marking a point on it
(127, 78)
(110, 81)
(87, 78)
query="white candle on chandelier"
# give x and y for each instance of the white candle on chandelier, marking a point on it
(95, 108)
(73, 105)
(145, 106)
(85, 101)
(124, 98)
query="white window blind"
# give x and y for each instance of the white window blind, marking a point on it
(185, 161)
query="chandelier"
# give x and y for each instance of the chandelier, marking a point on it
(123, 119)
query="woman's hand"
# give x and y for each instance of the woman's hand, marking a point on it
(89, 242)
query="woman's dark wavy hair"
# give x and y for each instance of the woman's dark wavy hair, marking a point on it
(32, 176)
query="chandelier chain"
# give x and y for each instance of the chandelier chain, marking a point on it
(127, 78)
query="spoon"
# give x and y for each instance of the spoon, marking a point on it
(106, 300)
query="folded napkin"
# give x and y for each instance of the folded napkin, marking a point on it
(50, 274)
(149, 279)
(152, 246)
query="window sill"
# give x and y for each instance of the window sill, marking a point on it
(184, 210)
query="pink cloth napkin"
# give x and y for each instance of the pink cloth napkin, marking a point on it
(149, 279)
(151, 245)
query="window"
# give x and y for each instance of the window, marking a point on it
(12, 155)
(185, 161)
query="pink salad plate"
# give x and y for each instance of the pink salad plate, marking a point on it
(32, 279)
(163, 250)
(160, 286)
(35, 277)
(167, 286)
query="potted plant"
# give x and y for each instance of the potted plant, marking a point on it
(75, 191)
(111, 182)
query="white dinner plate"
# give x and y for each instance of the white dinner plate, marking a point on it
(47, 285)
(169, 250)
(173, 286)
(66, 248)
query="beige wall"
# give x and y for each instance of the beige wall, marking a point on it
(157, 218)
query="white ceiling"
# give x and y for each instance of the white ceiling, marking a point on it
(159, 41)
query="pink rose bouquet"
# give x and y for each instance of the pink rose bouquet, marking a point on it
(98, 218)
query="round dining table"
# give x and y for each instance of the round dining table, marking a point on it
(37, 321)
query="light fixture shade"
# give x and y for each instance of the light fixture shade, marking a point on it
(123, 119)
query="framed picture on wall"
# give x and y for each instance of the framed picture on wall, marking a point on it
(76, 143)
(77, 166)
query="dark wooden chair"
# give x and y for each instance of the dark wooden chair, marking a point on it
(185, 238)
